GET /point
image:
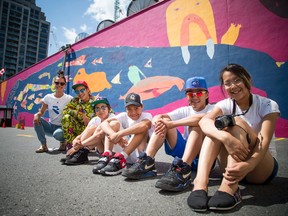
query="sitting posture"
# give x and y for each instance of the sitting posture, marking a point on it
(186, 147)
(125, 133)
(92, 137)
(238, 130)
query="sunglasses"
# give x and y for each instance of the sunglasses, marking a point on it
(197, 94)
(80, 91)
(97, 109)
(60, 83)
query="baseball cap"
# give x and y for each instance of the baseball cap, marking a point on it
(196, 83)
(100, 100)
(133, 99)
(79, 83)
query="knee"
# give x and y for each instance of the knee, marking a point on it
(58, 134)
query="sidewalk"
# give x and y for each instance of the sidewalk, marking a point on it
(37, 184)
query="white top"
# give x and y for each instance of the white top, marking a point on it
(95, 121)
(261, 106)
(186, 111)
(56, 106)
(126, 121)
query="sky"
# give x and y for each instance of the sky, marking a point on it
(68, 18)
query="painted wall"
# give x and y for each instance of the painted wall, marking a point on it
(155, 51)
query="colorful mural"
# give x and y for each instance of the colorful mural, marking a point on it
(161, 47)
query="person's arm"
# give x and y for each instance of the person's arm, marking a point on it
(138, 128)
(105, 126)
(192, 121)
(239, 170)
(265, 136)
(40, 113)
(234, 147)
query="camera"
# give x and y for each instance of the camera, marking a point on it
(224, 121)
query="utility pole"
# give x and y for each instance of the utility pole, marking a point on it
(117, 10)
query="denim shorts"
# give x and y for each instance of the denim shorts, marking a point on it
(270, 178)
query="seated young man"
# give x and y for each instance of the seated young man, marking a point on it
(186, 147)
(125, 133)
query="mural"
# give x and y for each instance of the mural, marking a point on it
(186, 38)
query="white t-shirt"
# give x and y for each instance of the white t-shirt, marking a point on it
(95, 121)
(260, 107)
(126, 122)
(56, 106)
(186, 111)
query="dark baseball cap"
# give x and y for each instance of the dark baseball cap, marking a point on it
(133, 99)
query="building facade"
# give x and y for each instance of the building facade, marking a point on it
(24, 35)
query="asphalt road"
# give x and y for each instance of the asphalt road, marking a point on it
(37, 184)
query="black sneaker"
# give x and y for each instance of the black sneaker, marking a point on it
(102, 162)
(178, 177)
(198, 200)
(115, 165)
(224, 201)
(143, 168)
(63, 160)
(78, 158)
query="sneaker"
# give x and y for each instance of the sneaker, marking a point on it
(143, 168)
(62, 146)
(178, 177)
(198, 200)
(224, 201)
(115, 165)
(42, 148)
(63, 160)
(102, 162)
(79, 157)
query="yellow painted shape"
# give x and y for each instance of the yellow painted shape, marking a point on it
(178, 13)
(97, 81)
(231, 35)
(3, 89)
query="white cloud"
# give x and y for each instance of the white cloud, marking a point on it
(100, 10)
(84, 28)
(69, 34)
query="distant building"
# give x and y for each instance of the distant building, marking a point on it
(24, 35)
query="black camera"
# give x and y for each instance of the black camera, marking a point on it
(224, 121)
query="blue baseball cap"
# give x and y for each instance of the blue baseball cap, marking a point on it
(196, 83)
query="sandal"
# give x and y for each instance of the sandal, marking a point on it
(41, 149)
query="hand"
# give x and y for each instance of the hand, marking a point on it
(123, 142)
(72, 150)
(85, 119)
(236, 172)
(36, 119)
(161, 127)
(236, 149)
(115, 138)
(76, 142)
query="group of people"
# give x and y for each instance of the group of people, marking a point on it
(235, 132)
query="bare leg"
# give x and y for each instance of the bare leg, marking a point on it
(156, 141)
(193, 145)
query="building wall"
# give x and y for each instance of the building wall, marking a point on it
(24, 35)
(153, 52)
